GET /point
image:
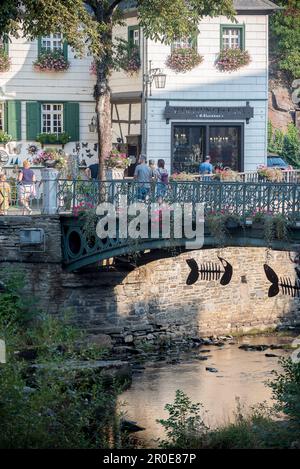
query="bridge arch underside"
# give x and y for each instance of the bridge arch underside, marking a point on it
(80, 252)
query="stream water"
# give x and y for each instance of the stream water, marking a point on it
(241, 374)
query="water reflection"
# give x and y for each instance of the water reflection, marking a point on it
(240, 374)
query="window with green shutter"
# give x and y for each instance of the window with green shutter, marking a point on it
(134, 35)
(12, 117)
(52, 118)
(232, 36)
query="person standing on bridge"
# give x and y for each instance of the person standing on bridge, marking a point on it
(143, 174)
(26, 185)
(206, 167)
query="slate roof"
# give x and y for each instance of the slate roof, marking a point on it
(239, 5)
(255, 5)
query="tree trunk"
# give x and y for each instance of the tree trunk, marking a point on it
(103, 112)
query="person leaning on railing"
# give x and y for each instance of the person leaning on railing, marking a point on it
(26, 187)
(5, 195)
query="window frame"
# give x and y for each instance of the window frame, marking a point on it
(193, 40)
(51, 112)
(240, 28)
(132, 29)
(64, 46)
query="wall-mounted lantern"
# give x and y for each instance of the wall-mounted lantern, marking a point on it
(93, 125)
(156, 75)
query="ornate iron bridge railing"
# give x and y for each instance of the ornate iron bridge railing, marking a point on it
(240, 198)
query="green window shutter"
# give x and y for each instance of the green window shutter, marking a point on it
(33, 120)
(13, 119)
(39, 44)
(71, 121)
(194, 40)
(65, 50)
(6, 44)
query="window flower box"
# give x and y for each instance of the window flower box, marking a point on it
(51, 61)
(231, 60)
(184, 59)
(53, 139)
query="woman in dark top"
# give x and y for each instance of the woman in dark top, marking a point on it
(26, 180)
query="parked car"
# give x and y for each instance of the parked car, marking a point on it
(276, 161)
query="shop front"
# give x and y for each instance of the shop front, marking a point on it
(200, 131)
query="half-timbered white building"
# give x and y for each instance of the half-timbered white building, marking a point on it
(203, 111)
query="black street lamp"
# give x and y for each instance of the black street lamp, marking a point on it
(156, 75)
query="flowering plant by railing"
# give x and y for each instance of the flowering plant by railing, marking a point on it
(182, 177)
(51, 159)
(184, 59)
(4, 61)
(230, 60)
(51, 61)
(227, 174)
(270, 174)
(5, 137)
(82, 208)
(116, 159)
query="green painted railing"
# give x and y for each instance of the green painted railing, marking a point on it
(241, 198)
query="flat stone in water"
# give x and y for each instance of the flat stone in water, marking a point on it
(211, 370)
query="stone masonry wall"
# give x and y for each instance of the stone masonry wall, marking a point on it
(153, 300)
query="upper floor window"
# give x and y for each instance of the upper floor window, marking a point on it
(52, 42)
(1, 116)
(185, 43)
(52, 118)
(134, 35)
(232, 37)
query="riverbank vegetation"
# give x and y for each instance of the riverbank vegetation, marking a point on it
(276, 427)
(45, 402)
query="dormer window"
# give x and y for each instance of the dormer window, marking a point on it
(232, 37)
(52, 42)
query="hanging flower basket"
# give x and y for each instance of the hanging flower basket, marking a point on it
(184, 59)
(4, 61)
(231, 60)
(51, 61)
(51, 159)
(117, 159)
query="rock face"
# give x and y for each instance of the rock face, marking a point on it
(101, 340)
(281, 108)
(282, 99)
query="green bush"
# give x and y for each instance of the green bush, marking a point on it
(286, 144)
(291, 146)
(44, 401)
(184, 424)
(286, 391)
